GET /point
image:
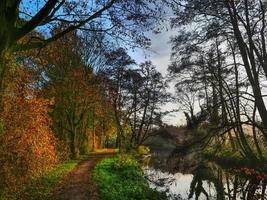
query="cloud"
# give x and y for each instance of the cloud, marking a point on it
(159, 54)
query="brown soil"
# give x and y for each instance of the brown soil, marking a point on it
(79, 184)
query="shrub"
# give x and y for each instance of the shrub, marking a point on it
(143, 150)
(122, 178)
(27, 145)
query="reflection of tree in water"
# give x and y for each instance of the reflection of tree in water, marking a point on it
(207, 175)
(162, 183)
(247, 188)
(227, 185)
(197, 188)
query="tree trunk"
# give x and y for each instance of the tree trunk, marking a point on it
(72, 145)
(3, 66)
(253, 80)
(8, 19)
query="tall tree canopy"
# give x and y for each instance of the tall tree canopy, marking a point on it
(27, 24)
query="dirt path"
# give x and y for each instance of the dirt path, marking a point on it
(79, 185)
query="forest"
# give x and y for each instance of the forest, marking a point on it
(85, 103)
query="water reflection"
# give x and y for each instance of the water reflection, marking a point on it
(191, 177)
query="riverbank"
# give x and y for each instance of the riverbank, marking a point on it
(227, 157)
(122, 178)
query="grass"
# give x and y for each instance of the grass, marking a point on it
(105, 150)
(41, 187)
(122, 178)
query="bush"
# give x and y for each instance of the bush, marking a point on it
(143, 150)
(122, 178)
(27, 144)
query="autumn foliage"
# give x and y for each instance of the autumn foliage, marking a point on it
(27, 145)
(57, 106)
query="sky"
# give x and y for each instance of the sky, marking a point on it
(159, 54)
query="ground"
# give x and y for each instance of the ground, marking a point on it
(79, 184)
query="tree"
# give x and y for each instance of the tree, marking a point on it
(225, 54)
(118, 63)
(65, 75)
(117, 18)
(146, 96)
(138, 92)
(242, 23)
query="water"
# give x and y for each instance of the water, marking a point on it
(191, 177)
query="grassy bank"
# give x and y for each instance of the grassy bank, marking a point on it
(41, 188)
(225, 156)
(122, 178)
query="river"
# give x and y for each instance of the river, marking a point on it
(192, 177)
